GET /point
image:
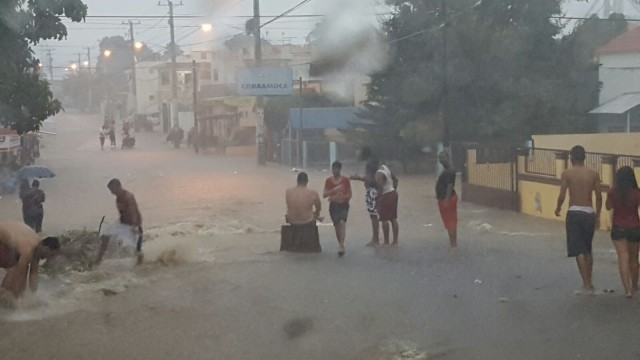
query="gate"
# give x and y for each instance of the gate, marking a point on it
(488, 174)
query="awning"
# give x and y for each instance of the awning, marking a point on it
(326, 118)
(618, 105)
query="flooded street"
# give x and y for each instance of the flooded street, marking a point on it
(215, 285)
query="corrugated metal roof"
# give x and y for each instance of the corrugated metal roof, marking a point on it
(326, 118)
(618, 105)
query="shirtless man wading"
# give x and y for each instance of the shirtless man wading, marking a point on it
(582, 218)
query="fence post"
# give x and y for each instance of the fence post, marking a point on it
(636, 167)
(562, 158)
(609, 163)
(522, 160)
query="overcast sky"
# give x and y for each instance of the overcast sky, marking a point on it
(221, 13)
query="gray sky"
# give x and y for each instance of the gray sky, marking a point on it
(155, 32)
(220, 13)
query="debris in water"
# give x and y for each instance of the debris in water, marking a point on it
(428, 225)
(477, 281)
(609, 291)
(108, 292)
(503, 299)
(298, 327)
(167, 258)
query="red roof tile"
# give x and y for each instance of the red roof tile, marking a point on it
(626, 43)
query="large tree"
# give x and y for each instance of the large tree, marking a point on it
(508, 73)
(25, 98)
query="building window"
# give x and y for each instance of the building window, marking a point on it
(215, 75)
(152, 98)
(203, 56)
(165, 79)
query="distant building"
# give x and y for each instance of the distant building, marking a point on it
(619, 74)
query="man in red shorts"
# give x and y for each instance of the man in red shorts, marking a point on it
(447, 199)
(388, 203)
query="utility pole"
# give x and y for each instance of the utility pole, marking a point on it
(50, 65)
(133, 50)
(90, 79)
(259, 99)
(196, 134)
(445, 77)
(172, 53)
(134, 86)
(299, 147)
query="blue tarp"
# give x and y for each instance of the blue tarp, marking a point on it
(326, 118)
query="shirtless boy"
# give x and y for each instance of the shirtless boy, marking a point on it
(20, 254)
(582, 218)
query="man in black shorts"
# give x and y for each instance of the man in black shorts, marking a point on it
(582, 219)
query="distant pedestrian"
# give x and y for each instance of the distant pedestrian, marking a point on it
(102, 137)
(337, 189)
(582, 219)
(24, 193)
(128, 228)
(112, 133)
(448, 199)
(388, 203)
(37, 199)
(624, 199)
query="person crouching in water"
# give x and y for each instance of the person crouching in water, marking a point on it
(20, 254)
(129, 227)
(624, 199)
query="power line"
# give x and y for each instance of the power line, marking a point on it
(286, 13)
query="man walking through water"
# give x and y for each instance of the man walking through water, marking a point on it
(448, 200)
(582, 218)
(129, 226)
(338, 189)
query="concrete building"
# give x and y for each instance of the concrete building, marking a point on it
(619, 74)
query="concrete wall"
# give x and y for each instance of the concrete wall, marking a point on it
(619, 74)
(539, 198)
(620, 143)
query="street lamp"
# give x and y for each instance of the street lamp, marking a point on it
(74, 66)
(107, 53)
(138, 45)
(206, 27)
(85, 63)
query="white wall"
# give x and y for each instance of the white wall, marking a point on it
(148, 83)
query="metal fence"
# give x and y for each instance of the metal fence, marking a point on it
(594, 161)
(625, 160)
(541, 162)
(315, 154)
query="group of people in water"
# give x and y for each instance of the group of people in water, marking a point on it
(381, 200)
(21, 251)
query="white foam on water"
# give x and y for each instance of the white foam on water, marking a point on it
(171, 245)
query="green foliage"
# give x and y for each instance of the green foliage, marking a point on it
(510, 70)
(25, 99)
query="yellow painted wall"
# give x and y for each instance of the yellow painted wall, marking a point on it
(540, 200)
(619, 143)
(490, 175)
